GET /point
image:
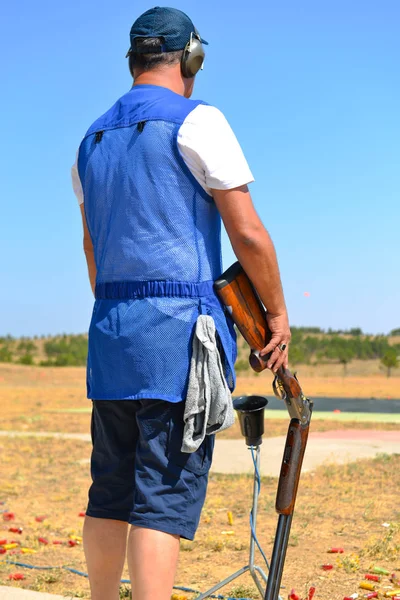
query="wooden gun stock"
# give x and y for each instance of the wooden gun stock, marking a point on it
(296, 442)
(241, 299)
(249, 315)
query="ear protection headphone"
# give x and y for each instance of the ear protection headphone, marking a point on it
(193, 56)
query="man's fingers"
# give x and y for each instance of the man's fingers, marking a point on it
(271, 346)
(275, 360)
(277, 357)
(282, 360)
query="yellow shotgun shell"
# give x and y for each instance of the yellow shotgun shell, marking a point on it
(230, 518)
(392, 593)
(27, 551)
(365, 585)
(10, 546)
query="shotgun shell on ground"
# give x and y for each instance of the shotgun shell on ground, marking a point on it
(311, 593)
(372, 595)
(327, 567)
(392, 593)
(364, 585)
(372, 577)
(27, 551)
(379, 570)
(293, 595)
(8, 516)
(43, 540)
(335, 551)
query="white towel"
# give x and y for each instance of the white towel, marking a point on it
(208, 405)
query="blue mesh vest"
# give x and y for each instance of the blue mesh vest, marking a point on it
(156, 239)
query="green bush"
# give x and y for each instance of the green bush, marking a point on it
(26, 359)
(390, 360)
(6, 354)
(66, 351)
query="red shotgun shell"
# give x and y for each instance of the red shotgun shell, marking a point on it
(8, 516)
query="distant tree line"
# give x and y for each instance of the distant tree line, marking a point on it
(60, 351)
(331, 346)
(309, 345)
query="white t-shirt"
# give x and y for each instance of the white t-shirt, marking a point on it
(210, 150)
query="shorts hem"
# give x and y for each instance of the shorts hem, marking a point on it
(105, 514)
(183, 532)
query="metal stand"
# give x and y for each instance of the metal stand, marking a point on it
(255, 571)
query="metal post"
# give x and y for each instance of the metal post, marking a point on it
(252, 567)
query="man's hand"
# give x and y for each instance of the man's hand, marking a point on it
(279, 326)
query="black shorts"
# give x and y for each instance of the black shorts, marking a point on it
(139, 473)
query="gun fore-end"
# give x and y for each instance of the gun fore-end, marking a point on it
(296, 442)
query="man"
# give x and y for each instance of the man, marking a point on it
(154, 175)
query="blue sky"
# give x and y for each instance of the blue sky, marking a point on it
(312, 90)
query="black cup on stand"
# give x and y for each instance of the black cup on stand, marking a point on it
(251, 417)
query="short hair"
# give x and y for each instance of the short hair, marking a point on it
(151, 59)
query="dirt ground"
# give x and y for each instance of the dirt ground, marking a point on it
(355, 506)
(337, 507)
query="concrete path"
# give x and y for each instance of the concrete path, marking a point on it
(84, 437)
(232, 456)
(10, 593)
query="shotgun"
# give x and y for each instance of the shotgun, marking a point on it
(238, 294)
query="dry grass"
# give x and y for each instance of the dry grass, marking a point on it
(33, 398)
(337, 506)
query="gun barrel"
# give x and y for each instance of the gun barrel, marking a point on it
(278, 557)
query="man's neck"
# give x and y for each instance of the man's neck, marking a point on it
(161, 78)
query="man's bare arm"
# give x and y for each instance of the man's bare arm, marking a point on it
(88, 249)
(256, 253)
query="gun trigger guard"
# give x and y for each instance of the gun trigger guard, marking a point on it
(278, 388)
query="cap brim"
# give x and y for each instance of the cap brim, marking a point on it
(129, 52)
(203, 41)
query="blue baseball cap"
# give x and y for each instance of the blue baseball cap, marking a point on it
(170, 24)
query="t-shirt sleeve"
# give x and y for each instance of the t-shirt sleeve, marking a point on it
(76, 182)
(211, 150)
